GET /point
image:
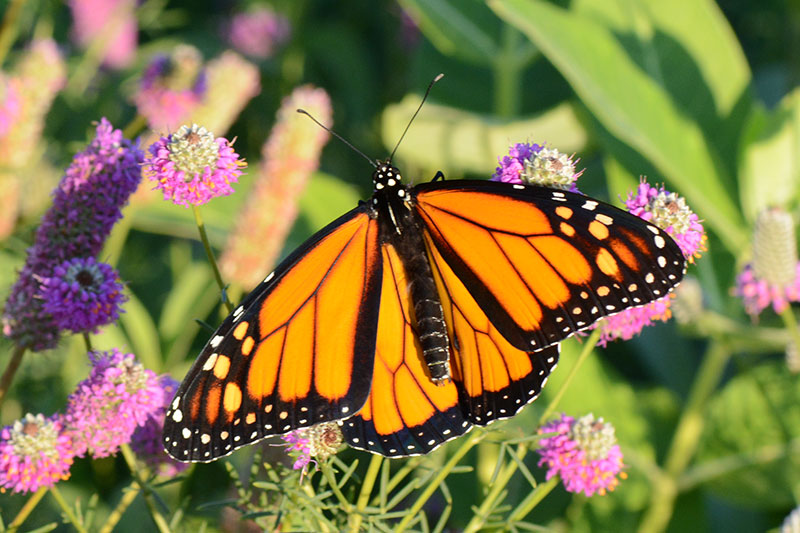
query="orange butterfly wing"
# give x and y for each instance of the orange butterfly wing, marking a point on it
(542, 263)
(405, 413)
(298, 351)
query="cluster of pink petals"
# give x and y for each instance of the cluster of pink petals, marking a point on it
(758, 294)
(34, 453)
(567, 458)
(258, 33)
(299, 443)
(629, 323)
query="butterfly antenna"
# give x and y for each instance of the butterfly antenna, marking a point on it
(427, 92)
(345, 141)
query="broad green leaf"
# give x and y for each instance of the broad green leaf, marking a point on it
(457, 27)
(751, 438)
(770, 169)
(631, 105)
(458, 142)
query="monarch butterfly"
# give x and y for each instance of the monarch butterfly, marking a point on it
(417, 314)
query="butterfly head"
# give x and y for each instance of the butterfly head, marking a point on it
(387, 178)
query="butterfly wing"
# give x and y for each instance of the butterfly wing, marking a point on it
(495, 379)
(543, 263)
(406, 413)
(298, 351)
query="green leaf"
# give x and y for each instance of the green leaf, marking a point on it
(631, 105)
(181, 303)
(142, 332)
(456, 27)
(770, 169)
(750, 450)
(458, 142)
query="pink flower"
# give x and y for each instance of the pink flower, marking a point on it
(312, 443)
(258, 33)
(91, 21)
(538, 165)
(583, 452)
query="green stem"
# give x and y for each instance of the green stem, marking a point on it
(790, 322)
(588, 346)
(533, 499)
(469, 442)
(685, 440)
(134, 127)
(8, 29)
(366, 489)
(88, 341)
(210, 254)
(128, 495)
(147, 492)
(29, 506)
(506, 76)
(67, 510)
(326, 471)
(10, 371)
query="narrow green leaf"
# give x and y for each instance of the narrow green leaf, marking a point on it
(142, 333)
(181, 303)
(631, 104)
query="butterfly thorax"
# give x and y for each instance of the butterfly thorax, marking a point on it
(401, 228)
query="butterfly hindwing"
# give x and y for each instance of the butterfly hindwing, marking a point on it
(298, 351)
(543, 263)
(495, 379)
(406, 413)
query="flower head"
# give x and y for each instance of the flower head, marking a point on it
(191, 166)
(106, 408)
(82, 295)
(171, 87)
(86, 204)
(630, 322)
(538, 165)
(146, 439)
(289, 157)
(773, 277)
(258, 33)
(583, 452)
(669, 212)
(313, 443)
(34, 453)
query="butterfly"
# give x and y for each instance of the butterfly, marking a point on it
(421, 312)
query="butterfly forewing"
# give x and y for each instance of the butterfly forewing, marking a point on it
(543, 263)
(297, 352)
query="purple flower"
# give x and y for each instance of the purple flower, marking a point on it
(82, 295)
(171, 87)
(146, 440)
(86, 204)
(106, 408)
(192, 167)
(629, 323)
(583, 452)
(773, 276)
(538, 165)
(312, 443)
(258, 33)
(669, 212)
(34, 453)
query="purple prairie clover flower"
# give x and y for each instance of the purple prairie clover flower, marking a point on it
(630, 322)
(313, 443)
(105, 409)
(86, 204)
(93, 17)
(257, 33)
(584, 453)
(191, 166)
(538, 165)
(83, 294)
(773, 276)
(171, 87)
(34, 453)
(289, 157)
(146, 439)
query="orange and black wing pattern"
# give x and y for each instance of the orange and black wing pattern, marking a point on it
(406, 413)
(544, 263)
(298, 351)
(495, 380)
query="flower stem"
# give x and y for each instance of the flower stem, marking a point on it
(326, 471)
(790, 322)
(128, 495)
(210, 254)
(147, 492)
(469, 442)
(29, 506)
(134, 127)
(10, 371)
(685, 440)
(67, 510)
(533, 499)
(588, 346)
(366, 489)
(87, 340)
